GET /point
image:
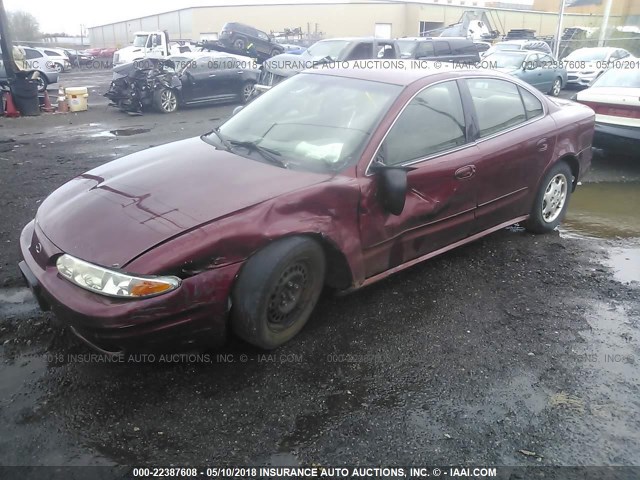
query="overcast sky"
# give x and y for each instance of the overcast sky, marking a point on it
(66, 15)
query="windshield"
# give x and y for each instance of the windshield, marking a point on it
(507, 46)
(627, 78)
(506, 60)
(406, 47)
(314, 122)
(140, 40)
(588, 55)
(330, 48)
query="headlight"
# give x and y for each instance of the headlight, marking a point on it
(112, 283)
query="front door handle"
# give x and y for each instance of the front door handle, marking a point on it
(467, 171)
(542, 145)
(212, 75)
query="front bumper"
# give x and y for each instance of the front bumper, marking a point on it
(580, 79)
(616, 139)
(194, 314)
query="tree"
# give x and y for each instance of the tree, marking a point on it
(24, 27)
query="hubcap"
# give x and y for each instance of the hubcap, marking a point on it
(554, 198)
(287, 296)
(168, 100)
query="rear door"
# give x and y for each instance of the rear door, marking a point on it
(430, 136)
(516, 142)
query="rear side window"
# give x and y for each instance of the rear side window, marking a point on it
(498, 104)
(362, 51)
(532, 106)
(442, 48)
(431, 123)
(51, 53)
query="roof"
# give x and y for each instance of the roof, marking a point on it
(396, 71)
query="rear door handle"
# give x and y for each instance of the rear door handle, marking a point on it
(542, 145)
(212, 75)
(467, 171)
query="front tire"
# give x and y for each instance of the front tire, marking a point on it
(239, 44)
(42, 83)
(552, 200)
(165, 100)
(277, 290)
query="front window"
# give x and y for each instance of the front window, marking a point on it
(140, 40)
(331, 48)
(406, 48)
(312, 122)
(623, 78)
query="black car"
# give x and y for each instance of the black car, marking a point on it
(443, 49)
(166, 85)
(245, 38)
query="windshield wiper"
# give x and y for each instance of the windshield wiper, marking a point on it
(268, 154)
(225, 143)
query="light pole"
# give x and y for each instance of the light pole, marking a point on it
(605, 23)
(556, 47)
(82, 35)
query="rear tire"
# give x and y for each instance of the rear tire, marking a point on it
(551, 201)
(247, 92)
(277, 290)
(556, 88)
(165, 100)
(275, 52)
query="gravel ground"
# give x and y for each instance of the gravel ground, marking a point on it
(515, 342)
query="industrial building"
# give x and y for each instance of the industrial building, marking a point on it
(335, 18)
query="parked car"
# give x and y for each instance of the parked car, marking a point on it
(240, 37)
(615, 97)
(79, 57)
(537, 69)
(335, 177)
(287, 65)
(59, 59)
(444, 49)
(36, 61)
(526, 44)
(586, 64)
(192, 78)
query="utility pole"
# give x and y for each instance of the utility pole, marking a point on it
(82, 35)
(605, 23)
(556, 46)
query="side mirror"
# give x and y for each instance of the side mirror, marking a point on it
(237, 109)
(393, 186)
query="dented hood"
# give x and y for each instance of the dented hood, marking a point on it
(113, 213)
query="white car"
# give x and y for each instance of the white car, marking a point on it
(586, 64)
(59, 58)
(615, 97)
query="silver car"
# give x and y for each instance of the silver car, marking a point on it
(586, 64)
(36, 61)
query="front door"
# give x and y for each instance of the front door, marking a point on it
(429, 136)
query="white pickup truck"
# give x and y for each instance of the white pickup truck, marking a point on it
(149, 45)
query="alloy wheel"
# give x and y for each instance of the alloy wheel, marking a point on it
(168, 101)
(555, 196)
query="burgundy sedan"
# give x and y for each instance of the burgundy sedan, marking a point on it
(336, 177)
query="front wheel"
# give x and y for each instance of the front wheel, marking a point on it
(556, 88)
(239, 44)
(277, 290)
(42, 83)
(552, 200)
(165, 100)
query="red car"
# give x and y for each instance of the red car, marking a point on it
(335, 177)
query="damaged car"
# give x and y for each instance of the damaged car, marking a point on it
(179, 81)
(334, 178)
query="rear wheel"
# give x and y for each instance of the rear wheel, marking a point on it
(275, 52)
(556, 88)
(277, 290)
(165, 100)
(247, 91)
(552, 200)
